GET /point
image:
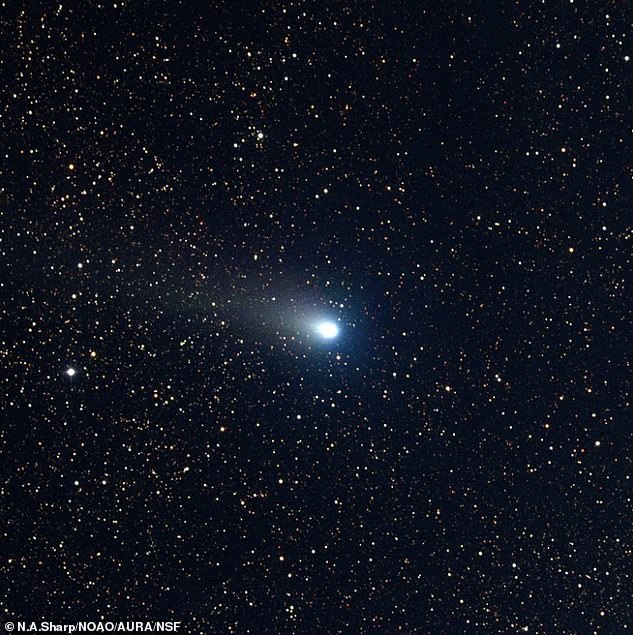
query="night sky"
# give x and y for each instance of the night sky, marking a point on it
(316, 316)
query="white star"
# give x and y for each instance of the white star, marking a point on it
(70, 372)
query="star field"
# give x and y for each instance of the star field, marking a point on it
(316, 317)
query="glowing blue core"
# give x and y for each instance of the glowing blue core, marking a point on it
(327, 330)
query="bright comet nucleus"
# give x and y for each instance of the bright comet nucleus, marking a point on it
(327, 329)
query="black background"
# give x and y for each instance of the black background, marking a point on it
(462, 459)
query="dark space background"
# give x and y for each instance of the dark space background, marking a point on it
(186, 186)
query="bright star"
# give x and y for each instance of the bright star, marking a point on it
(70, 372)
(328, 330)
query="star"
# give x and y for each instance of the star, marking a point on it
(327, 329)
(71, 372)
